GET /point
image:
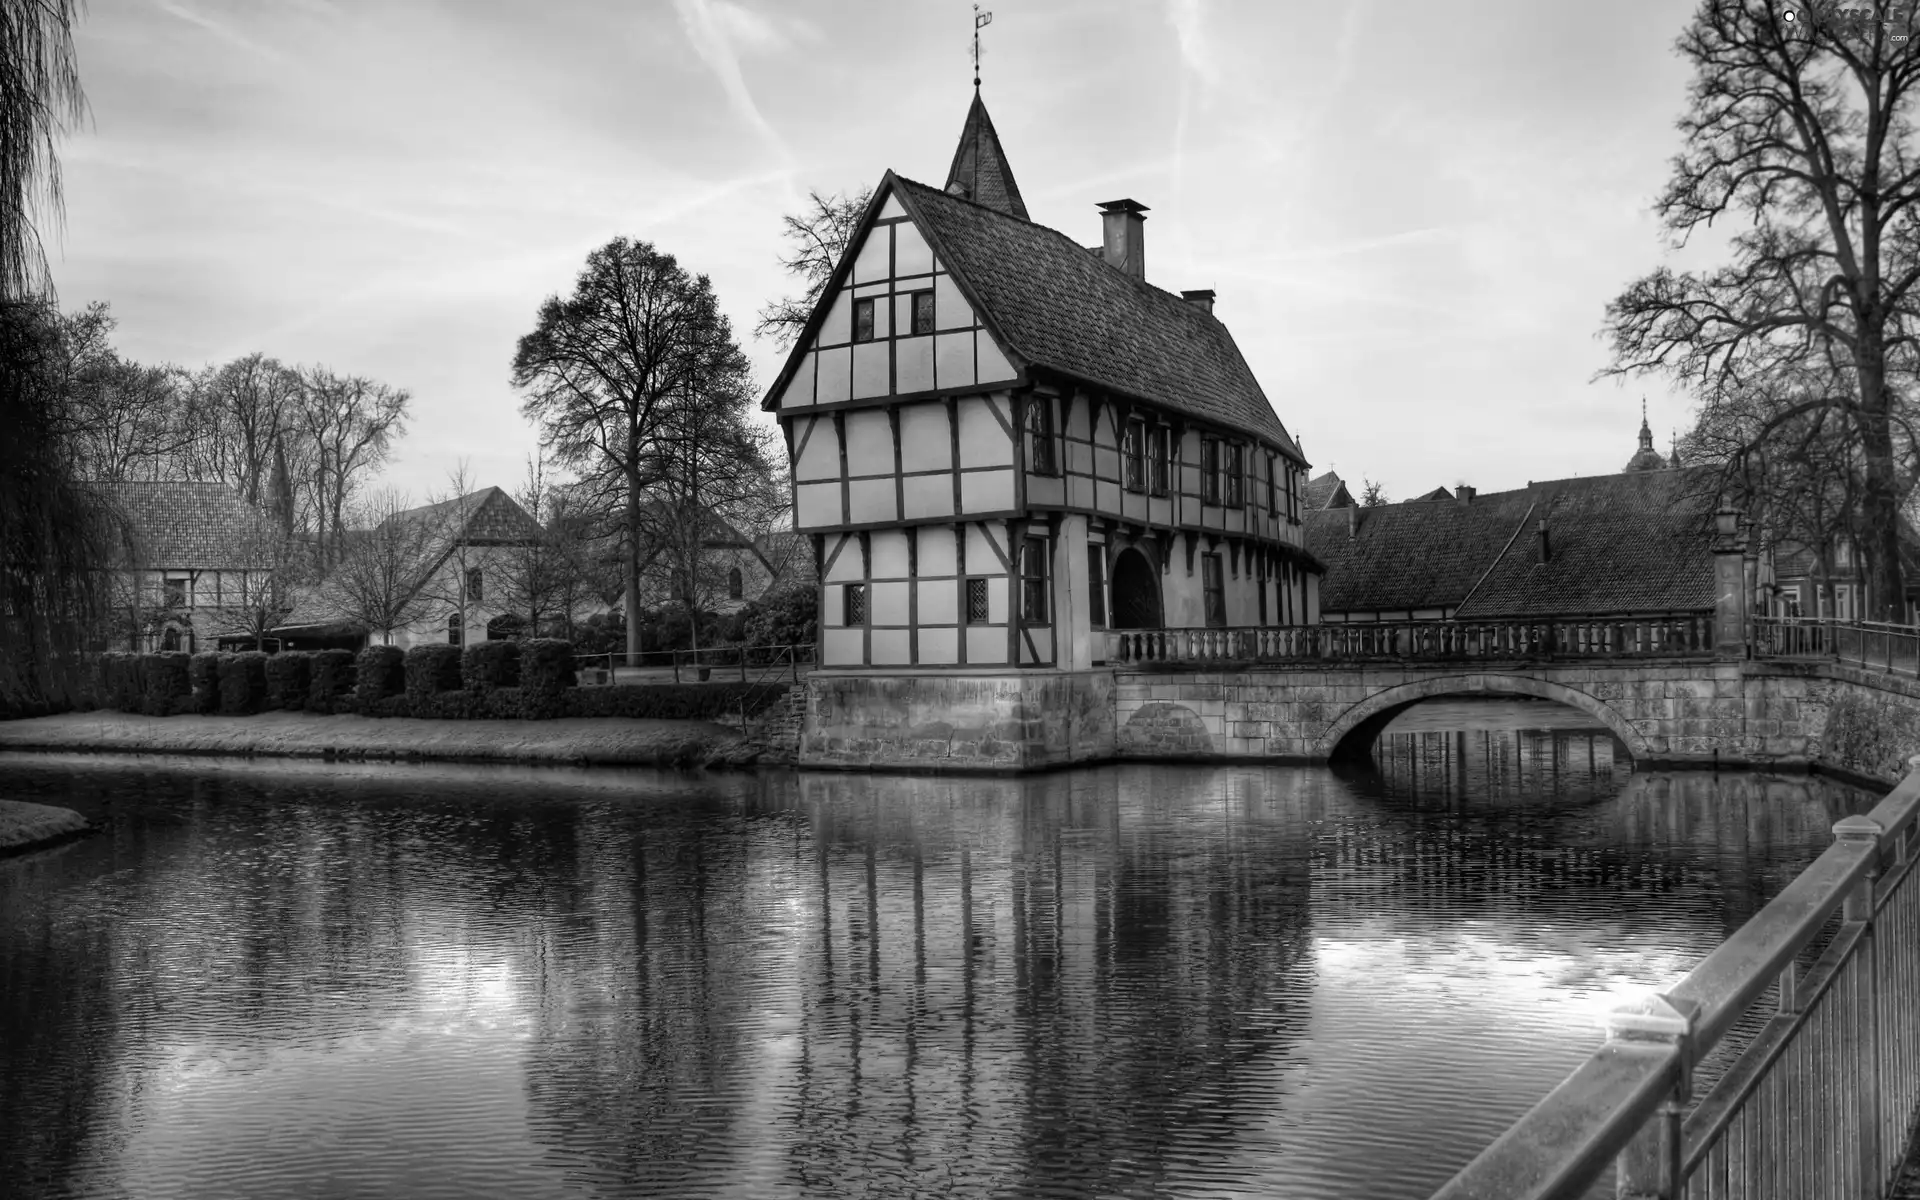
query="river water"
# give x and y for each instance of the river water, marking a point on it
(339, 981)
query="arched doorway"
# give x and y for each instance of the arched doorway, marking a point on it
(1136, 591)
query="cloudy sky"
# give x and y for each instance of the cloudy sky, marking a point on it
(1413, 213)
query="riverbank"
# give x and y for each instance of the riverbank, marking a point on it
(25, 826)
(577, 741)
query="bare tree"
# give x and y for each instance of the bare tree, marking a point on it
(713, 479)
(602, 369)
(244, 416)
(351, 422)
(1804, 128)
(1373, 494)
(816, 240)
(40, 80)
(379, 567)
(545, 578)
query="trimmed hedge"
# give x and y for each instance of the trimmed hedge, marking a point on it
(487, 666)
(378, 673)
(546, 664)
(672, 701)
(289, 674)
(122, 681)
(243, 683)
(204, 674)
(330, 681)
(168, 685)
(432, 669)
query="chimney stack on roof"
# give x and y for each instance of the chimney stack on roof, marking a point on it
(1123, 236)
(1200, 296)
(1463, 493)
(1353, 519)
(1545, 543)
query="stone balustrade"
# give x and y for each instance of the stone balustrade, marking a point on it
(1670, 635)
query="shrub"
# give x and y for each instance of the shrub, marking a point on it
(784, 618)
(546, 665)
(378, 673)
(203, 672)
(122, 681)
(167, 683)
(289, 674)
(487, 665)
(243, 683)
(672, 701)
(431, 670)
(330, 678)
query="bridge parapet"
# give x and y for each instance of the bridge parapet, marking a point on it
(1817, 1104)
(1552, 639)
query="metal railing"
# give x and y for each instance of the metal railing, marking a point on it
(1663, 635)
(1817, 1105)
(1872, 645)
(712, 664)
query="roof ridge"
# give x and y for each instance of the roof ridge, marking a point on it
(1078, 245)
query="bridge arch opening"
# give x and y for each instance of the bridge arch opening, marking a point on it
(1136, 591)
(1351, 735)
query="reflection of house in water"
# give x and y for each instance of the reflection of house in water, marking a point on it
(1025, 980)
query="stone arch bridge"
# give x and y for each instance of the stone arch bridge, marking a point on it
(1689, 711)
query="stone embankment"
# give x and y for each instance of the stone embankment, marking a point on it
(576, 741)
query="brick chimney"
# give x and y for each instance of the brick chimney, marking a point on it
(1123, 236)
(1200, 296)
(1463, 493)
(1545, 544)
(1353, 520)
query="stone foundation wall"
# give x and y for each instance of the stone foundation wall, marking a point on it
(1010, 722)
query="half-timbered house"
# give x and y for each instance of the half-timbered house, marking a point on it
(1005, 445)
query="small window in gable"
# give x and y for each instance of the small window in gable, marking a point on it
(863, 319)
(922, 313)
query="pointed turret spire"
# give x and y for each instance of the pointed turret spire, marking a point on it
(1646, 458)
(980, 172)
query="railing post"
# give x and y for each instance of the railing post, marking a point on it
(1650, 1166)
(1863, 1037)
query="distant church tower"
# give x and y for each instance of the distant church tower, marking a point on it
(1646, 458)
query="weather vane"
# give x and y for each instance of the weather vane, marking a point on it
(980, 21)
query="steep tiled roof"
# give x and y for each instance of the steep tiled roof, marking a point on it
(1328, 491)
(1062, 309)
(1413, 555)
(190, 526)
(493, 518)
(1636, 542)
(1439, 493)
(1619, 543)
(980, 167)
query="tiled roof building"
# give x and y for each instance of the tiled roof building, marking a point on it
(201, 557)
(1636, 542)
(174, 524)
(1328, 491)
(1004, 445)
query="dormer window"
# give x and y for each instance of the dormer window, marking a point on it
(922, 313)
(863, 320)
